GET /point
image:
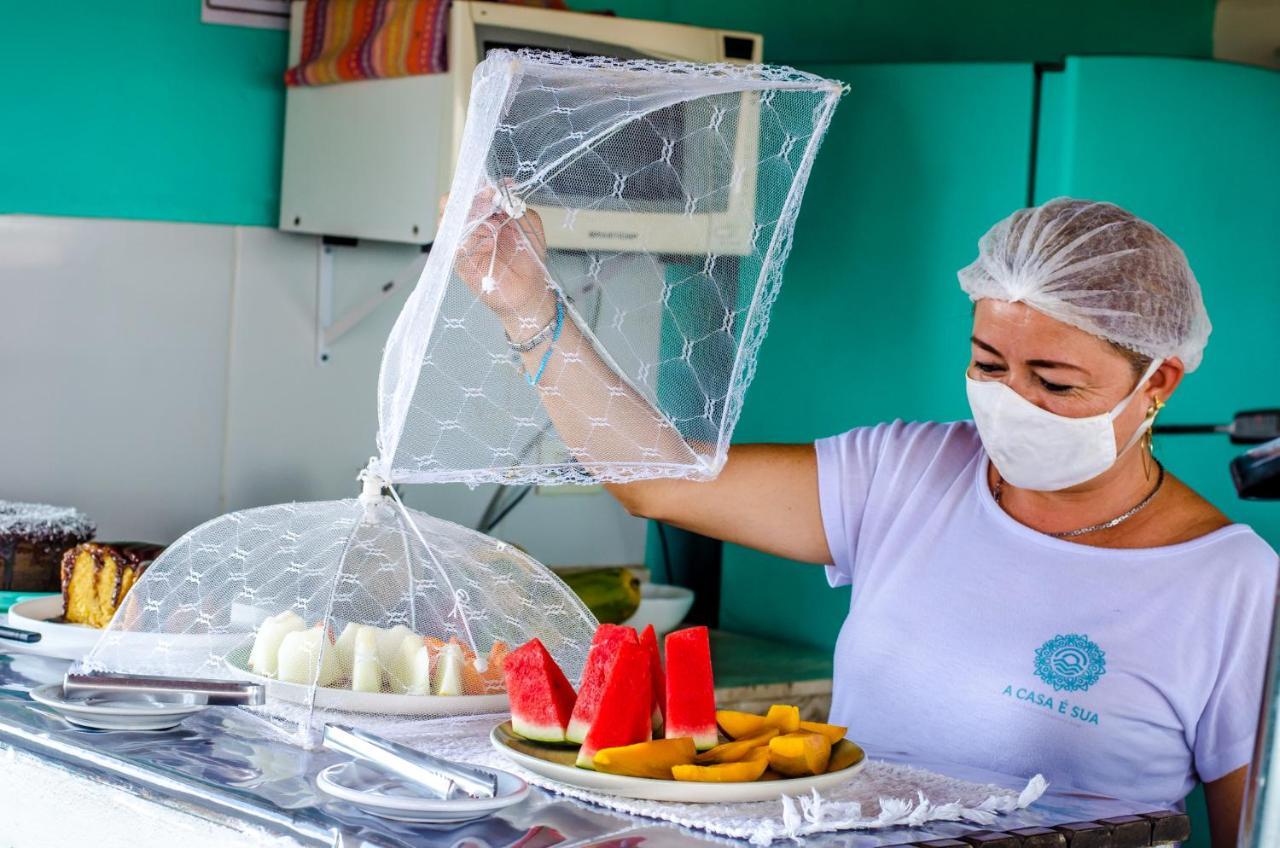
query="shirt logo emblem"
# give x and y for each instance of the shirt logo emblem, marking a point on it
(1072, 662)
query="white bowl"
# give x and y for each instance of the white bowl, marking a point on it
(662, 606)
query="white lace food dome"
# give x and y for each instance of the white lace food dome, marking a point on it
(279, 593)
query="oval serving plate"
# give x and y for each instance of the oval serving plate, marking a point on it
(386, 703)
(557, 763)
(61, 638)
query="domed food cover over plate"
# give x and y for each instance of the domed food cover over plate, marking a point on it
(366, 611)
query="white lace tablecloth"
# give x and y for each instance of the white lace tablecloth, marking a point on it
(882, 795)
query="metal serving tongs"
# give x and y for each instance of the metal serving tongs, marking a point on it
(440, 777)
(215, 693)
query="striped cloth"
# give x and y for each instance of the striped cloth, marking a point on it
(345, 40)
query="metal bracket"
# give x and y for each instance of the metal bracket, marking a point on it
(329, 330)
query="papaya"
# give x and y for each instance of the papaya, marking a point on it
(736, 751)
(646, 759)
(497, 659)
(743, 772)
(785, 718)
(763, 754)
(475, 682)
(833, 732)
(844, 754)
(612, 594)
(737, 725)
(799, 754)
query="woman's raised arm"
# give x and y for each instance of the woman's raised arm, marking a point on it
(766, 497)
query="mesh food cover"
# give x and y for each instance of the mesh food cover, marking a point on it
(590, 311)
(637, 215)
(357, 606)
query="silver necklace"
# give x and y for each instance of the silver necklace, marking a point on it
(998, 490)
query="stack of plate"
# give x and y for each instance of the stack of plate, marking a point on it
(381, 794)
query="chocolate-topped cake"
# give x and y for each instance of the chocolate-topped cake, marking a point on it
(32, 540)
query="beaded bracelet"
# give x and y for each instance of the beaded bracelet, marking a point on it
(555, 337)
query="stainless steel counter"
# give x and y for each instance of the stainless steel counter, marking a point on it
(222, 768)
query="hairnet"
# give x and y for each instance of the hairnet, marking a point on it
(1096, 267)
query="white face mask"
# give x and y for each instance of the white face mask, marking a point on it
(1033, 448)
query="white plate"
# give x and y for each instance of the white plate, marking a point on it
(57, 638)
(108, 714)
(75, 641)
(389, 797)
(385, 703)
(649, 789)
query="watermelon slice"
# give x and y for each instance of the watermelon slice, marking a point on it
(604, 650)
(541, 696)
(649, 641)
(691, 692)
(622, 715)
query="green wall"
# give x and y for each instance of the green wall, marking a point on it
(137, 110)
(945, 30)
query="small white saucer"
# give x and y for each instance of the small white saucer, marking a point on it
(385, 795)
(114, 713)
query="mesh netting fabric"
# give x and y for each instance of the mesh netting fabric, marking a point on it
(632, 219)
(345, 606)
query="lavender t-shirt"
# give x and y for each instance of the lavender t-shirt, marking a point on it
(974, 639)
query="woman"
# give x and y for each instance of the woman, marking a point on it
(1031, 590)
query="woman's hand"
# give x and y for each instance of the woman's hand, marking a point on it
(503, 259)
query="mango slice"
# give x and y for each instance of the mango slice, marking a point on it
(785, 718)
(736, 751)
(844, 754)
(743, 772)
(799, 754)
(738, 725)
(646, 759)
(833, 732)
